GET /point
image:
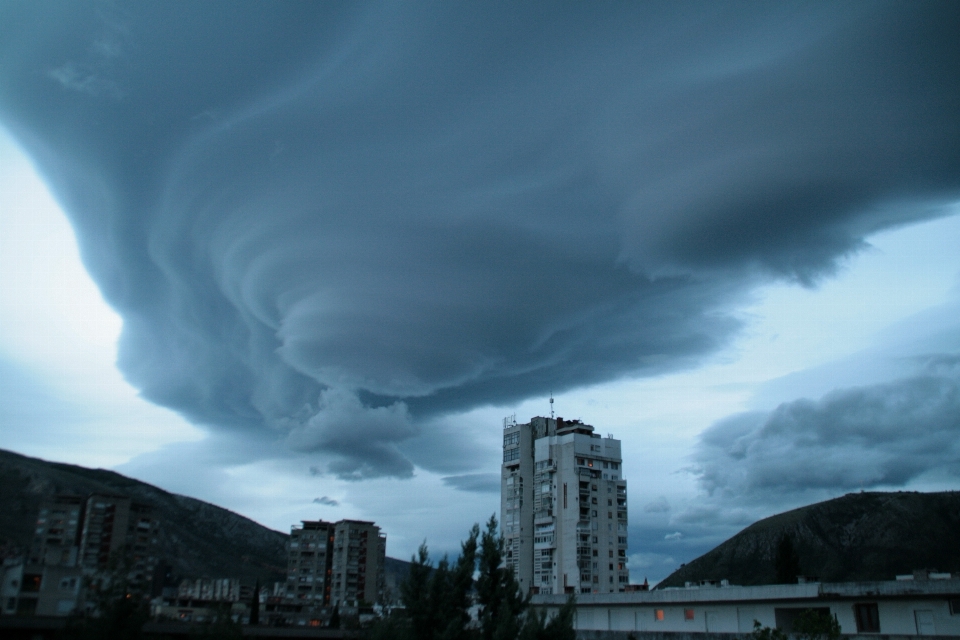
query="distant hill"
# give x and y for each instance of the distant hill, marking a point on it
(197, 538)
(858, 537)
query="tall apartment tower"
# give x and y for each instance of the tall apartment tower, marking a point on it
(56, 539)
(339, 564)
(309, 562)
(359, 555)
(563, 506)
(115, 526)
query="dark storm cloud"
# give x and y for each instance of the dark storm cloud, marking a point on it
(878, 436)
(327, 501)
(341, 221)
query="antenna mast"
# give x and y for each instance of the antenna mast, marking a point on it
(551, 405)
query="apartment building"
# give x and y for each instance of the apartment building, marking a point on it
(336, 564)
(359, 553)
(56, 539)
(115, 527)
(563, 505)
(309, 560)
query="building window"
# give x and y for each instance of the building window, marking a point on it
(564, 495)
(658, 615)
(868, 617)
(688, 614)
(955, 607)
(511, 454)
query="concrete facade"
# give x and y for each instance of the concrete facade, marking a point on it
(897, 608)
(563, 506)
(336, 564)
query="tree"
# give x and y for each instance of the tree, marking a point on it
(817, 625)
(787, 563)
(255, 605)
(120, 609)
(502, 603)
(766, 633)
(335, 618)
(437, 600)
(560, 627)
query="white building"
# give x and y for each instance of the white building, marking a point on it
(563, 507)
(891, 608)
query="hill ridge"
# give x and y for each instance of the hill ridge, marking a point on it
(862, 536)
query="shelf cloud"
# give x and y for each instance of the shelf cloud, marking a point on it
(342, 224)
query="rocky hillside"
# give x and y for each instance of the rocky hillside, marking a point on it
(861, 536)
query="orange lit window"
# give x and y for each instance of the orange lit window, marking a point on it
(688, 614)
(658, 615)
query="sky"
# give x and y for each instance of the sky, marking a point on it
(300, 260)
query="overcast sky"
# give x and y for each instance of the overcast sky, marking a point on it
(301, 259)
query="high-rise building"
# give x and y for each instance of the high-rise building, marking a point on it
(56, 539)
(563, 506)
(116, 528)
(308, 562)
(337, 564)
(359, 553)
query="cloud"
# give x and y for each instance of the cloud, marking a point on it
(337, 224)
(360, 437)
(327, 501)
(660, 505)
(475, 482)
(884, 435)
(676, 535)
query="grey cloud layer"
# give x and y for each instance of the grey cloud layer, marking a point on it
(339, 222)
(877, 436)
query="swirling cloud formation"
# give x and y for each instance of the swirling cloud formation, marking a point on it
(339, 220)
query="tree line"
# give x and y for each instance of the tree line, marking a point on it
(437, 600)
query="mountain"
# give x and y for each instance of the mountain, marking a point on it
(858, 537)
(197, 538)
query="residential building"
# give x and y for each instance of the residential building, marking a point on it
(359, 552)
(894, 608)
(563, 506)
(336, 564)
(115, 527)
(309, 562)
(56, 539)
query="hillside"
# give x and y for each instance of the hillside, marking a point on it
(860, 536)
(197, 538)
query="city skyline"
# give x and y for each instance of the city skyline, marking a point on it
(302, 263)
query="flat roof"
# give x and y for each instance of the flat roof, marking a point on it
(771, 592)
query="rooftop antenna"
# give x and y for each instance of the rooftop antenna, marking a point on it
(551, 405)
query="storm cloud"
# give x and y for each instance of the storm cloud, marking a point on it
(882, 435)
(343, 222)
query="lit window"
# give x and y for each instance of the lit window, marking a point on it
(688, 614)
(658, 615)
